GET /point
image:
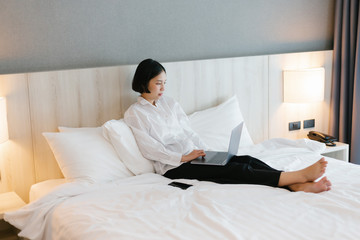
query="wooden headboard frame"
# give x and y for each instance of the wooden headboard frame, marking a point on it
(40, 102)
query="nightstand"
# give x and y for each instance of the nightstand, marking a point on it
(8, 201)
(340, 151)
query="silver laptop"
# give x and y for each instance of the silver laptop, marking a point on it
(222, 158)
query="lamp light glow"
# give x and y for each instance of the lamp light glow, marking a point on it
(304, 85)
(4, 134)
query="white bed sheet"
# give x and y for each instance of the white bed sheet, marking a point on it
(145, 207)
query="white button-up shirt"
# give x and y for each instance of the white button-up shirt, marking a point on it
(162, 132)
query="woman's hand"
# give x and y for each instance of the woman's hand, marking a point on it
(191, 156)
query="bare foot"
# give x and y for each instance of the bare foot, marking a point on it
(308, 174)
(315, 187)
(314, 171)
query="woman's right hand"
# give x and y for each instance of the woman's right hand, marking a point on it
(191, 156)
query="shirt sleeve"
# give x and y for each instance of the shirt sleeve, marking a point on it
(150, 147)
(185, 123)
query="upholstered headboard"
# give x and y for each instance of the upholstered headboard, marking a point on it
(40, 102)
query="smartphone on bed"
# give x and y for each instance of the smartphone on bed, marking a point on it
(180, 185)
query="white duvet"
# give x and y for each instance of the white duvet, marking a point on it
(145, 207)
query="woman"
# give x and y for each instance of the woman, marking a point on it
(164, 136)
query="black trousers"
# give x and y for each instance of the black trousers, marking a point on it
(239, 170)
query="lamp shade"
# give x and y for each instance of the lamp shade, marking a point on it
(4, 135)
(304, 85)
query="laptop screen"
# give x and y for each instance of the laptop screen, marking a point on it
(235, 139)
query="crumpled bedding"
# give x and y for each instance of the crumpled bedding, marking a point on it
(146, 207)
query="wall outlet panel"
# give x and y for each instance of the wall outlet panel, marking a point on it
(294, 125)
(309, 123)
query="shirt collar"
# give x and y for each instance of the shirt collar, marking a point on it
(143, 101)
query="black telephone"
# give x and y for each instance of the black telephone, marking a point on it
(322, 137)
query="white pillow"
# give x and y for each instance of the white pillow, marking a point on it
(214, 125)
(84, 129)
(86, 155)
(124, 142)
(40, 189)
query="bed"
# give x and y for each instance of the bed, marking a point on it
(114, 193)
(93, 183)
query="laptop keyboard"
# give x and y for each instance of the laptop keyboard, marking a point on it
(216, 156)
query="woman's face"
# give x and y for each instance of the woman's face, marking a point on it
(156, 87)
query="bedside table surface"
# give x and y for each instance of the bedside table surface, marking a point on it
(340, 151)
(339, 146)
(9, 201)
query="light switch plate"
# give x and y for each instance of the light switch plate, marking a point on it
(294, 125)
(309, 123)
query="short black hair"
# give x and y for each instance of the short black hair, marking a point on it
(145, 71)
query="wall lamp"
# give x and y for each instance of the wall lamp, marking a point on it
(304, 85)
(4, 134)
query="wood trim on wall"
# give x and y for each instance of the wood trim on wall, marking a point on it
(40, 102)
(17, 161)
(282, 113)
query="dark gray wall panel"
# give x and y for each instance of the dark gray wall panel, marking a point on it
(39, 35)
